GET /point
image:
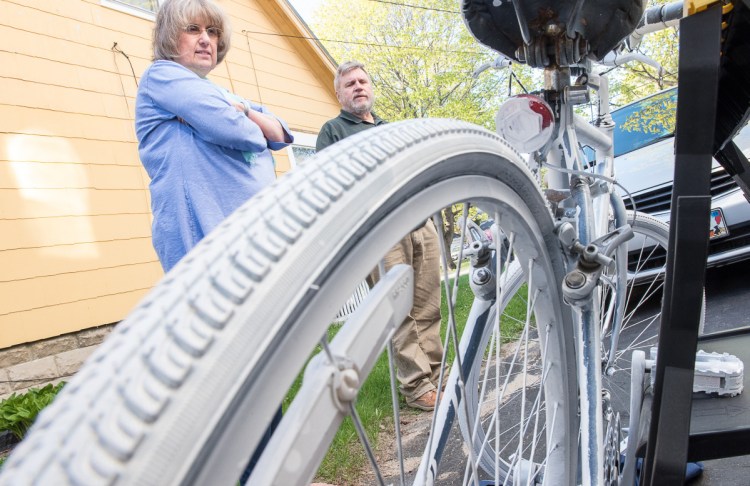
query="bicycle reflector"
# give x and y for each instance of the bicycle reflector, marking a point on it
(526, 122)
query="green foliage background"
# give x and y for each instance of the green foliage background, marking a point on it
(421, 59)
(636, 80)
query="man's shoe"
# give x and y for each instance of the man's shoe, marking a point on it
(424, 402)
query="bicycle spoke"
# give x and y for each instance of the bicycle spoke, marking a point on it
(396, 414)
(365, 443)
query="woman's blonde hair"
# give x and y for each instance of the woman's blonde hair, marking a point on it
(174, 15)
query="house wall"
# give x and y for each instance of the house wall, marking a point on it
(75, 243)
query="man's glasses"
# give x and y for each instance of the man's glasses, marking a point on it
(213, 32)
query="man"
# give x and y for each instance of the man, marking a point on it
(418, 348)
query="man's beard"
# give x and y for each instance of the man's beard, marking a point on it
(361, 108)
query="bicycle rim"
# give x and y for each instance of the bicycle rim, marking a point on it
(639, 331)
(181, 393)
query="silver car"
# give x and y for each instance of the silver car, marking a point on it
(644, 164)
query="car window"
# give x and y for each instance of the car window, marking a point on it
(645, 122)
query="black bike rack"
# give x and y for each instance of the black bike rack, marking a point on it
(713, 103)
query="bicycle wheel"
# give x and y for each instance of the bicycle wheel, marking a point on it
(647, 263)
(639, 331)
(182, 391)
(506, 406)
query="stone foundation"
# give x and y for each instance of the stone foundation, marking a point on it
(52, 360)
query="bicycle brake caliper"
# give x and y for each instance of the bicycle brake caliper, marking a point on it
(593, 259)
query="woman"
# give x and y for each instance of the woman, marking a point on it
(205, 149)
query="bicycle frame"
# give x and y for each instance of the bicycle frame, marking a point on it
(593, 207)
(592, 222)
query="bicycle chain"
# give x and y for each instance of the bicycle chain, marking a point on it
(612, 461)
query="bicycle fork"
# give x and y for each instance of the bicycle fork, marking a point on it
(582, 291)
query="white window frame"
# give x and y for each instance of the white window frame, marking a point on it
(301, 139)
(124, 7)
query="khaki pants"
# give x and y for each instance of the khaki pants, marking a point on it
(417, 345)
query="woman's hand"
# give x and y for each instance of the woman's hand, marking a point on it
(269, 125)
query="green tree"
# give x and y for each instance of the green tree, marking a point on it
(636, 80)
(421, 61)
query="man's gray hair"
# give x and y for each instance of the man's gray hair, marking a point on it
(347, 67)
(174, 15)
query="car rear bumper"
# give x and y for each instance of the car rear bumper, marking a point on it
(736, 245)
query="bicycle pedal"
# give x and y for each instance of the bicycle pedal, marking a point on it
(719, 373)
(715, 373)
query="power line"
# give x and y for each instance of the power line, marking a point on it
(370, 44)
(416, 6)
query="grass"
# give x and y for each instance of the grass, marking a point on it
(346, 458)
(511, 322)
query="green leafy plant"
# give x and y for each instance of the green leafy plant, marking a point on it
(18, 412)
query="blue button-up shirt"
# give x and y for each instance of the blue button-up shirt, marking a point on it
(198, 151)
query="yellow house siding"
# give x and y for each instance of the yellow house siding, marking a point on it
(43, 322)
(79, 286)
(68, 230)
(75, 246)
(29, 263)
(36, 148)
(68, 202)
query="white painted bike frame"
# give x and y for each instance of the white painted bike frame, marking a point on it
(595, 216)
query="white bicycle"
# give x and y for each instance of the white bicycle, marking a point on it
(183, 389)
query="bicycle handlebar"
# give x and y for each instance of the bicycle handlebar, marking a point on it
(653, 19)
(656, 18)
(614, 58)
(500, 62)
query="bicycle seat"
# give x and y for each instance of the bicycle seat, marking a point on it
(545, 33)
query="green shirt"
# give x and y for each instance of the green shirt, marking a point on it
(342, 126)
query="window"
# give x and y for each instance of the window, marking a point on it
(303, 148)
(143, 4)
(139, 8)
(301, 153)
(645, 122)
